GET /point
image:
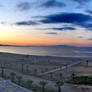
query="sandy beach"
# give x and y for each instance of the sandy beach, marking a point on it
(34, 65)
(37, 64)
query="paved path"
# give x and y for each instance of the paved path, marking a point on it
(8, 86)
(61, 68)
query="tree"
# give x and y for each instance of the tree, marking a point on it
(73, 76)
(61, 76)
(23, 62)
(35, 71)
(19, 79)
(12, 74)
(43, 84)
(87, 62)
(27, 68)
(22, 65)
(59, 84)
(29, 84)
(51, 75)
(2, 70)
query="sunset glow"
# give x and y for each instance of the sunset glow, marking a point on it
(21, 23)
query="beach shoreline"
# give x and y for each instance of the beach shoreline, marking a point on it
(34, 65)
(43, 63)
(43, 56)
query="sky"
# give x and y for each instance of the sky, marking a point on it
(46, 22)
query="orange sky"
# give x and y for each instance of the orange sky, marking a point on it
(13, 35)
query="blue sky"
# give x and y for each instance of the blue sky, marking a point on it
(46, 22)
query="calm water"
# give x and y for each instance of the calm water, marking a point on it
(49, 51)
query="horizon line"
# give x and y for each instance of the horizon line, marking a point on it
(48, 45)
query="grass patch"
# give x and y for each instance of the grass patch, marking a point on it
(83, 80)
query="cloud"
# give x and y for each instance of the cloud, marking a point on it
(66, 18)
(59, 28)
(64, 28)
(2, 22)
(90, 39)
(26, 23)
(52, 3)
(52, 33)
(87, 26)
(1, 5)
(89, 11)
(80, 36)
(81, 1)
(78, 19)
(24, 6)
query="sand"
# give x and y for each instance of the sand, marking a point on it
(34, 65)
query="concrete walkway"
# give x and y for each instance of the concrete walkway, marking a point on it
(8, 86)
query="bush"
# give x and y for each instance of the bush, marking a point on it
(82, 80)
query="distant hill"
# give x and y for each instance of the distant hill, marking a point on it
(62, 46)
(5, 45)
(70, 46)
(65, 46)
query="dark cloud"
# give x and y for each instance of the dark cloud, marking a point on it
(66, 18)
(89, 11)
(64, 28)
(59, 28)
(81, 1)
(52, 3)
(52, 33)
(25, 23)
(24, 6)
(78, 19)
(90, 39)
(87, 26)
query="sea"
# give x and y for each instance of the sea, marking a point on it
(58, 51)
